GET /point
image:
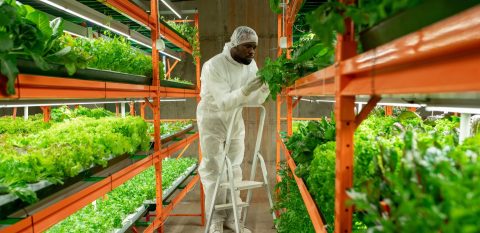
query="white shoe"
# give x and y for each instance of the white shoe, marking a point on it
(231, 225)
(216, 227)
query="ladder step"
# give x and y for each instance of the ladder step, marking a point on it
(244, 184)
(230, 206)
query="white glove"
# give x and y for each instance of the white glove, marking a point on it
(252, 86)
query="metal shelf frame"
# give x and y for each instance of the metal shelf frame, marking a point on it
(441, 58)
(44, 88)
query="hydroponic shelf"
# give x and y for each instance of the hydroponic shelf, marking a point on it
(438, 59)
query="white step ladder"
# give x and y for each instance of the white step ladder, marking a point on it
(243, 185)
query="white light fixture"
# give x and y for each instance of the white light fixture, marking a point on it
(84, 17)
(84, 103)
(74, 34)
(140, 43)
(171, 8)
(169, 55)
(160, 44)
(283, 42)
(454, 109)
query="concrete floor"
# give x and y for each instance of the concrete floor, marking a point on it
(259, 218)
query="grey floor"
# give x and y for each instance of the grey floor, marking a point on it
(259, 218)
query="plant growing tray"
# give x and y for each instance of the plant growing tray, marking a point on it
(29, 67)
(167, 83)
(10, 203)
(174, 186)
(169, 137)
(410, 20)
(140, 211)
(171, 28)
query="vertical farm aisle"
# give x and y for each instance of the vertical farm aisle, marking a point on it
(259, 219)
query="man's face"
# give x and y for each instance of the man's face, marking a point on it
(244, 53)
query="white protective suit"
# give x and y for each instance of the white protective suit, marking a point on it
(222, 79)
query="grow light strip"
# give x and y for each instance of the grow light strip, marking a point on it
(171, 8)
(84, 17)
(149, 46)
(454, 109)
(83, 103)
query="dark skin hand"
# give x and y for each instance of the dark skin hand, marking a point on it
(244, 53)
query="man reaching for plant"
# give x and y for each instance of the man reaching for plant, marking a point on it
(228, 81)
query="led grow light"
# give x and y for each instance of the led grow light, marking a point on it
(171, 8)
(75, 34)
(60, 7)
(454, 109)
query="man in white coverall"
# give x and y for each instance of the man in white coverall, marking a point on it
(228, 81)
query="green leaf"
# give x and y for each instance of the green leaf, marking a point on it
(8, 14)
(8, 68)
(313, 51)
(40, 61)
(61, 52)
(41, 20)
(71, 68)
(57, 27)
(6, 42)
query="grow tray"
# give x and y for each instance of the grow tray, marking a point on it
(29, 67)
(410, 20)
(43, 189)
(170, 190)
(169, 137)
(167, 83)
(142, 210)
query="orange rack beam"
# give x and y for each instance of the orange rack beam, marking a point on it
(144, 18)
(171, 92)
(45, 87)
(169, 150)
(307, 198)
(441, 58)
(321, 82)
(133, 11)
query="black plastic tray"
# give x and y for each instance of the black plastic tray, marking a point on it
(411, 20)
(167, 83)
(29, 67)
(17, 204)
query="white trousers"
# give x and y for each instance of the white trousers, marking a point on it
(212, 143)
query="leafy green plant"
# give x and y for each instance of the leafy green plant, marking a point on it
(64, 113)
(108, 213)
(314, 152)
(190, 32)
(328, 19)
(289, 202)
(65, 149)
(113, 53)
(179, 80)
(278, 74)
(27, 33)
(308, 55)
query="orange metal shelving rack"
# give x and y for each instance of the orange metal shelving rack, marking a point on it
(43, 87)
(441, 58)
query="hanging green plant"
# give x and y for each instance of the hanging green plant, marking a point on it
(27, 33)
(190, 32)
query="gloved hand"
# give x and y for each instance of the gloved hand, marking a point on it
(252, 86)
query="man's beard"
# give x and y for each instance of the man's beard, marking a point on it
(246, 61)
